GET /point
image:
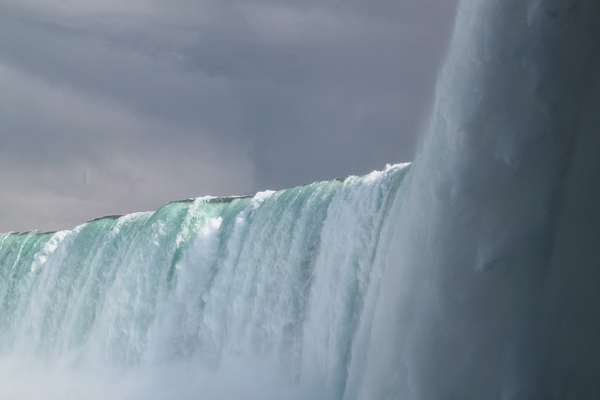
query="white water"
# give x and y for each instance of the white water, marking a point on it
(493, 289)
(211, 298)
(471, 274)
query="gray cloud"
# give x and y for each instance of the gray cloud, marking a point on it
(155, 101)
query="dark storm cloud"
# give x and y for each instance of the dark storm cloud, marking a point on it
(156, 101)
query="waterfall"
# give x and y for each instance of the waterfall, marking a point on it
(471, 273)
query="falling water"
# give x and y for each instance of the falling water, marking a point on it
(470, 274)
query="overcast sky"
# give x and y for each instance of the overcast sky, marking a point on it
(117, 106)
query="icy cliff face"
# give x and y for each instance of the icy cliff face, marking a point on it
(470, 274)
